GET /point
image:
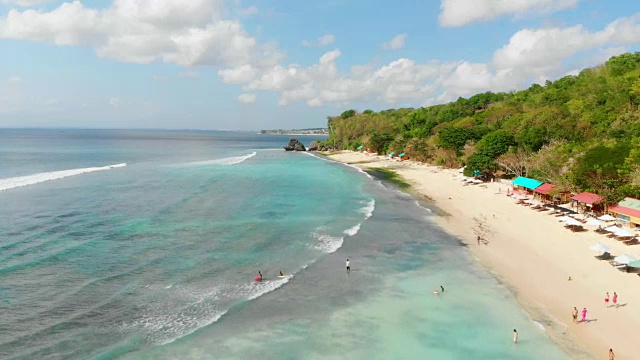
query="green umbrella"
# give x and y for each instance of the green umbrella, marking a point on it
(401, 155)
(359, 147)
(634, 264)
(391, 153)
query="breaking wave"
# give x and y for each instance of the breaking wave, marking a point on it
(368, 209)
(20, 181)
(352, 231)
(224, 161)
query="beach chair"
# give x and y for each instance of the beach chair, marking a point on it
(604, 256)
(633, 241)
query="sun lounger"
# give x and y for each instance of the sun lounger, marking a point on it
(604, 256)
(632, 242)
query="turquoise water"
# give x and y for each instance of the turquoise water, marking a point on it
(155, 259)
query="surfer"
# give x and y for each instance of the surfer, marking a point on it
(281, 274)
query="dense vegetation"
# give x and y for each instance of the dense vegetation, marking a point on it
(581, 132)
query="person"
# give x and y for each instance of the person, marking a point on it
(442, 288)
(574, 314)
(435, 292)
(478, 239)
(584, 314)
(515, 336)
(348, 267)
(606, 300)
(260, 274)
(615, 299)
(281, 274)
(612, 356)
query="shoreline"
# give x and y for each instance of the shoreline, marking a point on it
(532, 255)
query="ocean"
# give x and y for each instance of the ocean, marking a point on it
(134, 244)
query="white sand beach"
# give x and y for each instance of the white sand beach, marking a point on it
(534, 255)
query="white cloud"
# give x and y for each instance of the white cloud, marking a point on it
(188, 74)
(114, 101)
(529, 56)
(396, 43)
(51, 102)
(186, 33)
(463, 12)
(324, 40)
(247, 98)
(15, 80)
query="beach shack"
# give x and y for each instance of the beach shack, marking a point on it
(546, 194)
(587, 201)
(627, 211)
(523, 183)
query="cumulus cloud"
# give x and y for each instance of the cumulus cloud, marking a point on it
(247, 98)
(324, 40)
(186, 33)
(396, 43)
(462, 12)
(529, 56)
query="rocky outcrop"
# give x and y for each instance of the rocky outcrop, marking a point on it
(295, 145)
(314, 146)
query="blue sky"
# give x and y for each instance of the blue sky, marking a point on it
(242, 64)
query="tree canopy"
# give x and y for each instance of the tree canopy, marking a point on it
(581, 132)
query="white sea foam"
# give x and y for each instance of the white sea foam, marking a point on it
(341, 163)
(422, 207)
(325, 242)
(10, 183)
(368, 209)
(224, 161)
(352, 231)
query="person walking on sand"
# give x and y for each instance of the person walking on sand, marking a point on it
(515, 336)
(615, 299)
(606, 300)
(348, 267)
(612, 356)
(574, 314)
(584, 314)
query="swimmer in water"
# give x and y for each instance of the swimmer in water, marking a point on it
(435, 292)
(442, 288)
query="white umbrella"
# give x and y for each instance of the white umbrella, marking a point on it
(477, 181)
(606, 217)
(594, 222)
(624, 259)
(566, 219)
(599, 248)
(612, 229)
(573, 222)
(624, 233)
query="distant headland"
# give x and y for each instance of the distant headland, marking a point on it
(310, 131)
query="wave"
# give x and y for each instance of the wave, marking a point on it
(352, 231)
(327, 243)
(224, 161)
(341, 163)
(20, 181)
(368, 209)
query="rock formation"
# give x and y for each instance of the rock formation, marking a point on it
(314, 146)
(295, 145)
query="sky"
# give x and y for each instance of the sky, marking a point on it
(270, 64)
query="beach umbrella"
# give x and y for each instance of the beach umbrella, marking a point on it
(573, 222)
(391, 153)
(599, 248)
(624, 259)
(476, 181)
(634, 264)
(612, 229)
(566, 219)
(606, 217)
(359, 147)
(401, 155)
(594, 222)
(624, 233)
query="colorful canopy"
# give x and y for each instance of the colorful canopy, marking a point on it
(401, 155)
(526, 182)
(544, 188)
(628, 206)
(391, 153)
(588, 198)
(359, 147)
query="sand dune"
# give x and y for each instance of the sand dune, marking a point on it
(534, 255)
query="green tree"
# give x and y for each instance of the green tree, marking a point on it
(368, 112)
(496, 143)
(479, 162)
(453, 138)
(347, 114)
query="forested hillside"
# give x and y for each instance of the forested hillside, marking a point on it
(579, 132)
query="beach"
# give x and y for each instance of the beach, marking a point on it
(534, 256)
